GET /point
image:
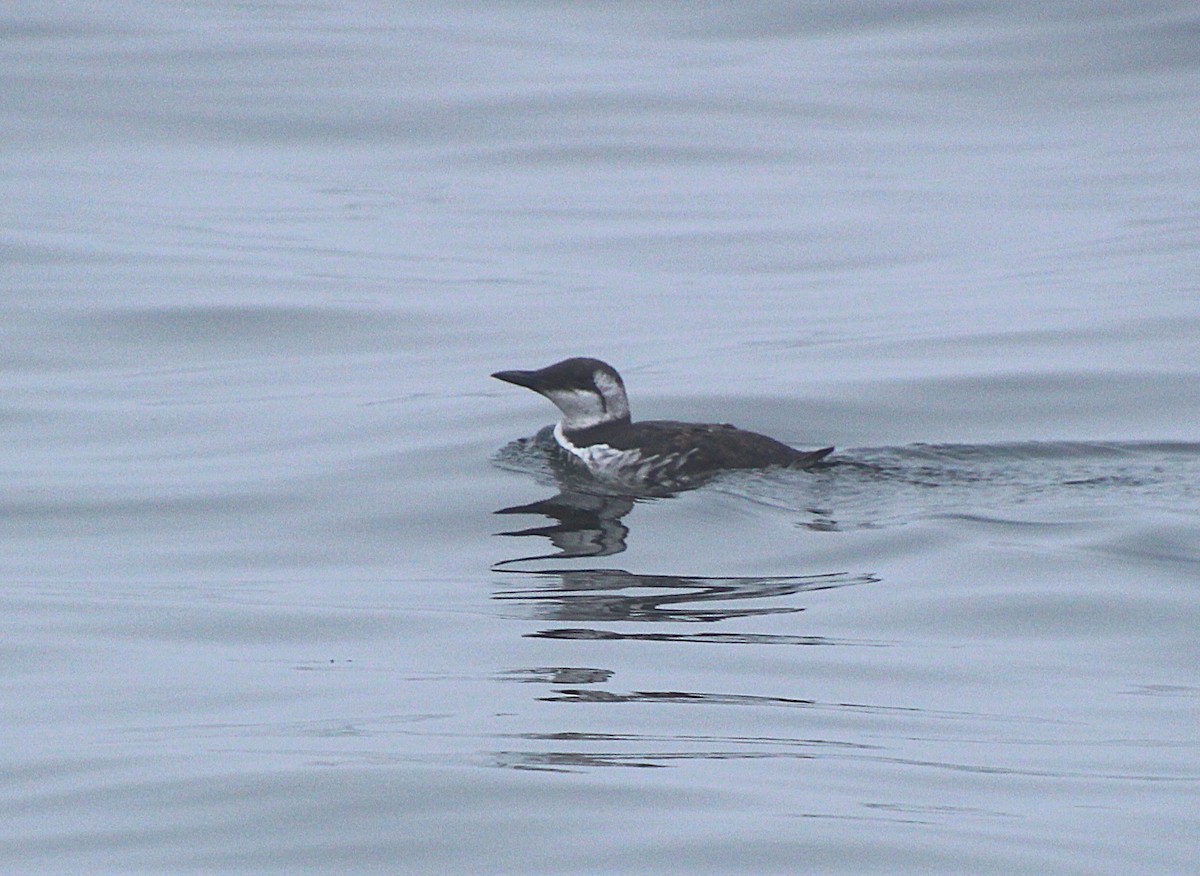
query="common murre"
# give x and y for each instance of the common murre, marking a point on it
(597, 430)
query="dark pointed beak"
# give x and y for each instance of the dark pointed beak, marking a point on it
(528, 379)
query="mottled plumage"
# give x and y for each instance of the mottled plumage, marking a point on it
(707, 445)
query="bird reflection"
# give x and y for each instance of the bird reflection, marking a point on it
(612, 595)
(582, 520)
(586, 525)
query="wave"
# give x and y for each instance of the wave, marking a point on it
(865, 487)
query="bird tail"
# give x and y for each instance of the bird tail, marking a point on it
(812, 457)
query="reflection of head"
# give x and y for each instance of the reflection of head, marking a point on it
(587, 525)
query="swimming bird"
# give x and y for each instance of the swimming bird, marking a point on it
(596, 429)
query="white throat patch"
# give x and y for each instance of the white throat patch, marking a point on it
(615, 401)
(581, 408)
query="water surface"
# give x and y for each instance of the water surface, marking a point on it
(260, 613)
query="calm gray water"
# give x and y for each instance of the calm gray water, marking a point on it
(259, 611)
